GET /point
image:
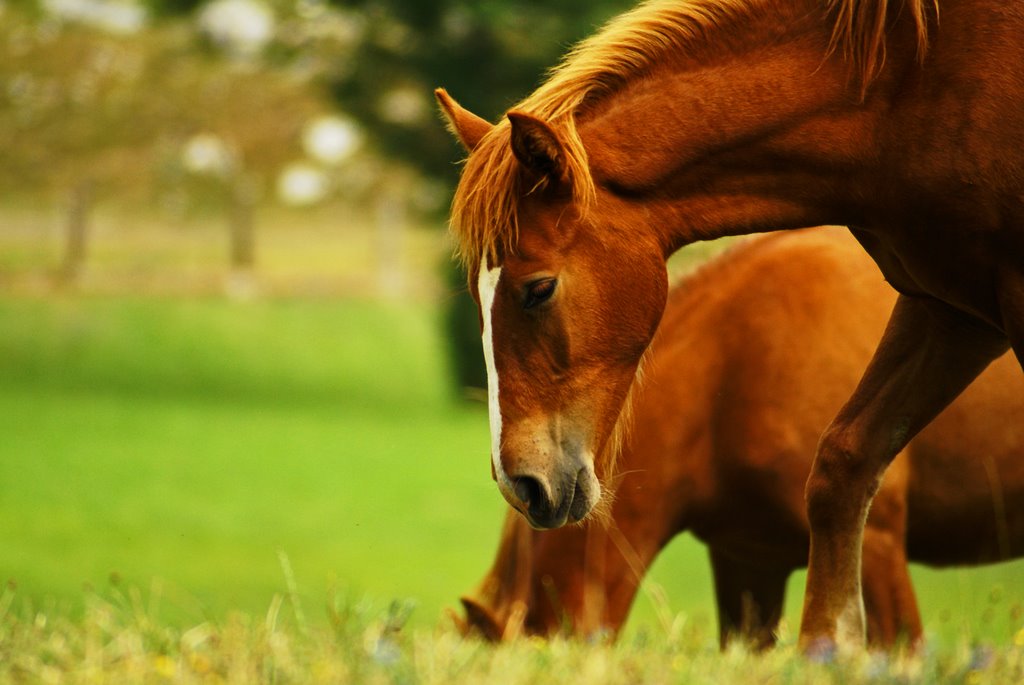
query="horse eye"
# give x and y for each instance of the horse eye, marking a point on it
(539, 292)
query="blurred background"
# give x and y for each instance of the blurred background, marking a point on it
(235, 356)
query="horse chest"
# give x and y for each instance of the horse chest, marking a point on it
(955, 267)
(753, 524)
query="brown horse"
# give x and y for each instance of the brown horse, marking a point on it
(746, 369)
(691, 119)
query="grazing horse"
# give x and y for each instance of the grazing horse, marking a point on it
(755, 353)
(685, 120)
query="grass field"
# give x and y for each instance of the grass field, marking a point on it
(187, 442)
(180, 463)
(118, 641)
(193, 440)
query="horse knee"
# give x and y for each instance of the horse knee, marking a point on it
(844, 477)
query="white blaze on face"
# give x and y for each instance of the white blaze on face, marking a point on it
(487, 284)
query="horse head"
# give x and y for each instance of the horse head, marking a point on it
(569, 299)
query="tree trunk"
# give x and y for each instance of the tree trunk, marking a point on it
(391, 217)
(241, 283)
(76, 232)
(243, 248)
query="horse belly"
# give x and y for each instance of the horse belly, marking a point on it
(966, 490)
(966, 536)
(757, 515)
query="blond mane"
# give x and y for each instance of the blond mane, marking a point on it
(484, 217)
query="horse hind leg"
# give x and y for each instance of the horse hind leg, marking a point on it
(892, 613)
(749, 599)
(928, 354)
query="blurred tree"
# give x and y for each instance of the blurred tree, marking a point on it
(166, 8)
(88, 114)
(487, 53)
(462, 334)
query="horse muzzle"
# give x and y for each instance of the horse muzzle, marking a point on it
(566, 496)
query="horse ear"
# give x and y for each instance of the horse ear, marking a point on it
(467, 127)
(480, 618)
(536, 145)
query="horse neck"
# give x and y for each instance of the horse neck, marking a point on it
(772, 137)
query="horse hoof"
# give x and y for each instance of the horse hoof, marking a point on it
(821, 650)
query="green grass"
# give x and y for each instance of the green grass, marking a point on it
(192, 440)
(204, 495)
(177, 448)
(119, 640)
(343, 357)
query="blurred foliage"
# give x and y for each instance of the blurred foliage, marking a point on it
(83, 105)
(462, 332)
(173, 7)
(234, 85)
(79, 99)
(487, 53)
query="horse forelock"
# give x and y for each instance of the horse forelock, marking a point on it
(485, 210)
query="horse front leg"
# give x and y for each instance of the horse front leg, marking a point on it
(928, 354)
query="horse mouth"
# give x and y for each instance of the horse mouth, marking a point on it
(547, 520)
(580, 506)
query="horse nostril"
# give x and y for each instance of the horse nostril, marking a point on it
(528, 490)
